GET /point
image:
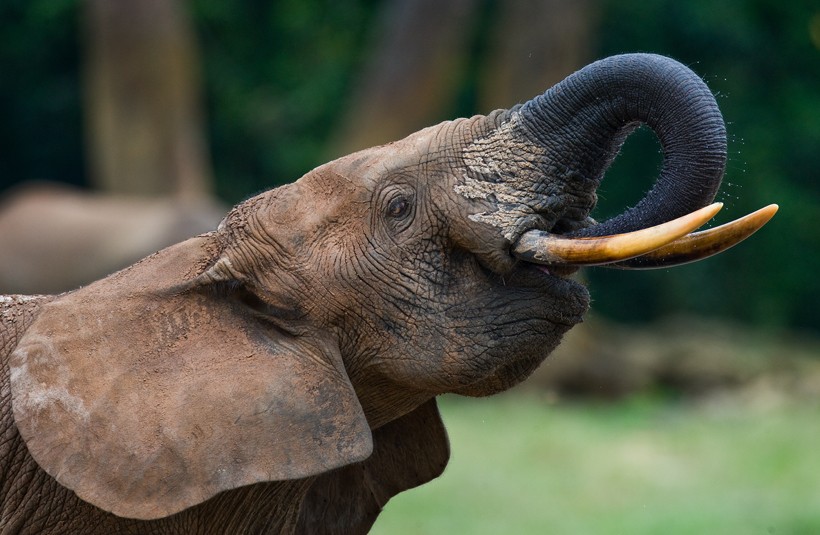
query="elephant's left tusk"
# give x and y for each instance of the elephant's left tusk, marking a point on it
(541, 247)
(700, 245)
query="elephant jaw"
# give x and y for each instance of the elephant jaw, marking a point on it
(669, 244)
(666, 245)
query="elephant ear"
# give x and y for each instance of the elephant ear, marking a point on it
(145, 400)
(407, 452)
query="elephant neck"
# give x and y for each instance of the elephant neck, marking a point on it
(383, 400)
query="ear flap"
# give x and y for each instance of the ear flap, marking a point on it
(407, 452)
(145, 402)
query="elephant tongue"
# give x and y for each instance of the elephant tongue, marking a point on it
(665, 245)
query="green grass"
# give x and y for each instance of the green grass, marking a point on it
(520, 465)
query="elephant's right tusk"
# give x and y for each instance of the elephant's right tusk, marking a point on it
(541, 247)
(700, 245)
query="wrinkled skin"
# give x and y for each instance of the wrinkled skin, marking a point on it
(280, 373)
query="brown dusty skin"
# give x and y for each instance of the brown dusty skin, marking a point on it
(279, 374)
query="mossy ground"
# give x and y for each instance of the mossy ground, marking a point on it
(645, 465)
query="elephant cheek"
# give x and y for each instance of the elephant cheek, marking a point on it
(516, 354)
(511, 373)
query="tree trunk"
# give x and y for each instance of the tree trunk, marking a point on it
(410, 79)
(534, 45)
(144, 127)
(425, 49)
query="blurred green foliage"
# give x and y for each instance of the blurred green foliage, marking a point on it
(641, 466)
(276, 76)
(41, 133)
(278, 73)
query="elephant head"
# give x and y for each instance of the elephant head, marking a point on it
(319, 312)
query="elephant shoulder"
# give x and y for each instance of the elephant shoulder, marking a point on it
(17, 312)
(18, 472)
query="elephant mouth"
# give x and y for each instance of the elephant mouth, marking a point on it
(666, 245)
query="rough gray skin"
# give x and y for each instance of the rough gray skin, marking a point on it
(279, 374)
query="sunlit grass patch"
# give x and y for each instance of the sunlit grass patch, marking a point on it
(521, 465)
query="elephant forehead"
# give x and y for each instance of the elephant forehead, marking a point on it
(372, 167)
(312, 202)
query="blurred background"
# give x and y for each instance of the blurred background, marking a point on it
(126, 126)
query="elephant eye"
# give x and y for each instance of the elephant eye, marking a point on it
(398, 208)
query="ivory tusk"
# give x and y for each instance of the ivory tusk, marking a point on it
(700, 245)
(544, 248)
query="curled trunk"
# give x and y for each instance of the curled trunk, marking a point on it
(584, 120)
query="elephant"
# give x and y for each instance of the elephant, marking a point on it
(279, 374)
(88, 235)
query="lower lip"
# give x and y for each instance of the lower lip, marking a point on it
(556, 271)
(543, 269)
